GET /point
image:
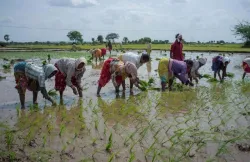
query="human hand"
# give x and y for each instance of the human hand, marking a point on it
(74, 90)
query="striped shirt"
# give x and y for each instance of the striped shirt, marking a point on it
(35, 72)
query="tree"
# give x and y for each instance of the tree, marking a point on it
(145, 40)
(6, 37)
(75, 36)
(112, 36)
(125, 40)
(100, 38)
(243, 30)
(93, 40)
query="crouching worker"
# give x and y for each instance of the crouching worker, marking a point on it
(32, 77)
(70, 73)
(246, 67)
(170, 68)
(220, 64)
(137, 60)
(116, 70)
(98, 53)
(194, 73)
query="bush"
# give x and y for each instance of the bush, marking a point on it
(3, 44)
(246, 44)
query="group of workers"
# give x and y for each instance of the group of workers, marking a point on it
(69, 72)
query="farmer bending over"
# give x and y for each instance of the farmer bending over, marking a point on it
(118, 71)
(70, 73)
(32, 77)
(137, 60)
(220, 64)
(98, 53)
(197, 64)
(170, 68)
(246, 67)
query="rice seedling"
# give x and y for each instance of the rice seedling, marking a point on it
(44, 62)
(62, 128)
(44, 140)
(9, 138)
(12, 156)
(212, 80)
(230, 75)
(208, 76)
(111, 157)
(52, 92)
(154, 156)
(6, 66)
(157, 59)
(109, 145)
(131, 157)
(151, 81)
(96, 124)
(18, 111)
(94, 141)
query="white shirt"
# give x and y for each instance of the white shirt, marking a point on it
(132, 57)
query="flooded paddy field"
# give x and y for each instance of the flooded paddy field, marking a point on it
(208, 122)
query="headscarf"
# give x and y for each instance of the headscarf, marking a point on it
(131, 69)
(49, 69)
(178, 37)
(202, 61)
(79, 61)
(225, 59)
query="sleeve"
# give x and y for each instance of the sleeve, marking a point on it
(41, 80)
(70, 73)
(113, 76)
(79, 77)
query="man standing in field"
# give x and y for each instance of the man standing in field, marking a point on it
(176, 48)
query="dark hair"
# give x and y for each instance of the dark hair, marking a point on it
(189, 62)
(177, 35)
(145, 57)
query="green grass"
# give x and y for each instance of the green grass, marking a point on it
(187, 47)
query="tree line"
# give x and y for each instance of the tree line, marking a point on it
(242, 29)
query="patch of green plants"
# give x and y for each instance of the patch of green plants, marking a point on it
(6, 66)
(208, 76)
(52, 92)
(212, 80)
(230, 75)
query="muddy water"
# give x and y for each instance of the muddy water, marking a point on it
(199, 124)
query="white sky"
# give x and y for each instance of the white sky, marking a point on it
(51, 20)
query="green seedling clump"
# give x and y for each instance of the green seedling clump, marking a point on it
(212, 80)
(44, 62)
(207, 76)
(52, 92)
(151, 81)
(230, 75)
(158, 59)
(6, 66)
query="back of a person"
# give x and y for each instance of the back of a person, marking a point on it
(179, 66)
(65, 63)
(33, 71)
(195, 66)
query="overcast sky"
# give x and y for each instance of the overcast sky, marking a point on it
(51, 20)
